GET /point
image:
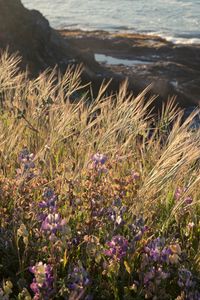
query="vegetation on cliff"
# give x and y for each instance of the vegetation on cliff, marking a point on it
(98, 198)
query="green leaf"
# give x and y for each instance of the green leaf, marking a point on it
(65, 258)
(127, 267)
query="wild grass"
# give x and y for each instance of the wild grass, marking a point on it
(149, 161)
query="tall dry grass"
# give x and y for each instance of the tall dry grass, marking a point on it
(57, 119)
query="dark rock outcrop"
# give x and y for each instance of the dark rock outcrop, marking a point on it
(28, 33)
(173, 69)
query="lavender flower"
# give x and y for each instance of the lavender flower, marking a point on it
(25, 156)
(188, 200)
(27, 164)
(138, 228)
(42, 285)
(149, 275)
(110, 213)
(48, 204)
(115, 212)
(135, 175)
(152, 281)
(178, 194)
(155, 268)
(188, 285)
(53, 223)
(99, 159)
(157, 252)
(98, 163)
(78, 278)
(118, 247)
(185, 278)
(49, 199)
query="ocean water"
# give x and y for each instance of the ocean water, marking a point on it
(176, 20)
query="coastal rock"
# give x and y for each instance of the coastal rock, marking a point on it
(29, 34)
(144, 59)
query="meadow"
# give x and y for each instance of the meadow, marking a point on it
(99, 196)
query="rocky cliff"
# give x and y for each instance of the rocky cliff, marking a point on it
(28, 33)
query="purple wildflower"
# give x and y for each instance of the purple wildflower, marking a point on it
(25, 156)
(185, 278)
(52, 223)
(188, 285)
(155, 268)
(165, 254)
(115, 213)
(118, 247)
(34, 287)
(27, 164)
(42, 285)
(179, 193)
(98, 163)
(148, 276)
(99, 159)
(138, 228)
(188, 200)
(135, 175)
(78, 278)
(155, 273)
(49, 199)
(157, 252)
(110, 213)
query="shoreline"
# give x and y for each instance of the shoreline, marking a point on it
(176, 40)
(131, 35)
